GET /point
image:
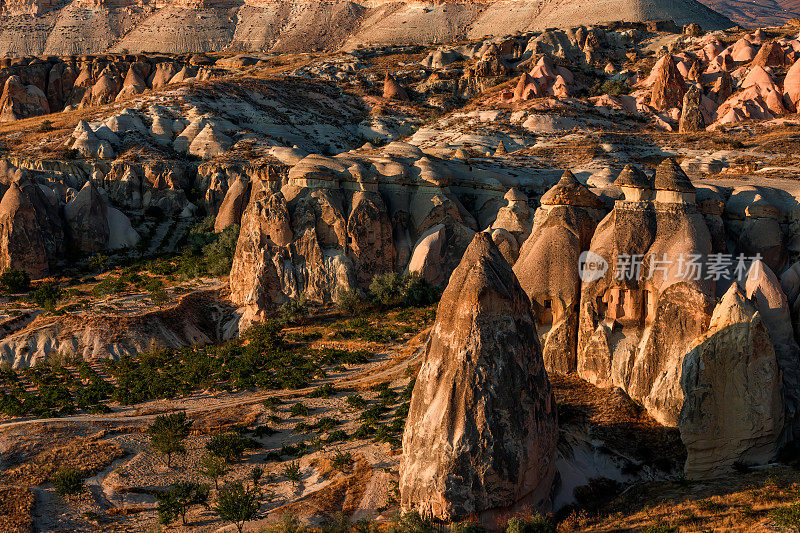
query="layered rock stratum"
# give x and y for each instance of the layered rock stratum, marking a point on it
(78, 27)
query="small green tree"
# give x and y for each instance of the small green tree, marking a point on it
(179, 498)
(255, 475)
(168, 432)
(15, 281)
(214, 468)
(238, 504)
(295, 310)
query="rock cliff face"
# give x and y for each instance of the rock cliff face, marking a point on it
(45, 28)
(339, 221)
(481, 431)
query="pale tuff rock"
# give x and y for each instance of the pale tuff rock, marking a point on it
(764, 290)
(733, 410)
(547, 267)
(209, 142)
(481, 430)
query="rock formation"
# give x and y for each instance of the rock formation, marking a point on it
(22, 245)
(86, 218)
(547, 267)
(481, 430)
(638, 320)
(668, 85)
(692, 116)
(733, 412)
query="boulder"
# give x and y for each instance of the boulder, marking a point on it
(393, 90)
(481, 433)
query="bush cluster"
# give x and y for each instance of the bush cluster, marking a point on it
(261, 359)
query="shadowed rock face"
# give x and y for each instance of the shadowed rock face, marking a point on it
(481, 431)
(733, 409)
(21, 243)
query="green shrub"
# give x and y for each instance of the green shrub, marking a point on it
(219, 253)
(299, 409)
(393, 290)
(356, 401)
(294, 310)
(534, 523)
(292, 471)
(168, 432)
(387, 289)
(47, 295)
(612, 87)
(67, 481)
(110, 285)
(324, 391)
(342, 461)
(349, 301)
(15, 281)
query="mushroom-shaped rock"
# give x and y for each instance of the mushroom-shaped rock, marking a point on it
(733, 408)
(515, 217)
(668, 85)
(393, 90)
(569, 191)
(672, 184)
(634, 184)
(86, 216)
(481, 433)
